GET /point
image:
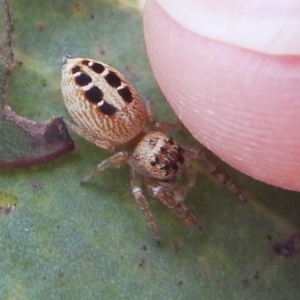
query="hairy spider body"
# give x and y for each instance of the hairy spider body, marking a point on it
(101, 102)
(109, 113)
(157, 155)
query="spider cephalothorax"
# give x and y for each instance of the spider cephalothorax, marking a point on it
(109, 113)
(157, 155)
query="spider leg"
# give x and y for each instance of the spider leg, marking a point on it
(158, 125)
(179, 192)
(223, 177)
(166, 127)
(168, 200)
(101, 144)
(149, 110)
(114, 161)
(136, 188)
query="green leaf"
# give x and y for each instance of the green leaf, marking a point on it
(64, 240)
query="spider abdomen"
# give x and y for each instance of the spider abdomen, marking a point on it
(101, 101)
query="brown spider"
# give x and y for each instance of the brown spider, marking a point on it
(109, 113)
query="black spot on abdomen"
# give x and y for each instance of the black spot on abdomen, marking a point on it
(107, 109)
(126, 94)
(76, 69)
(113, 79)
(97, 68)
(83, 79)
(94, 94)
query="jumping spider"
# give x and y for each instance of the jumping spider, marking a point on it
(109, 113)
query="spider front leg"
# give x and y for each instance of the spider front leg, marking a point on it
(224, 178)
(159, 125)
(179, 192)
(166, 197)
(114, 161)
(136, 188)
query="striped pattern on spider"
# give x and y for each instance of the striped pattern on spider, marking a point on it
(108, 112)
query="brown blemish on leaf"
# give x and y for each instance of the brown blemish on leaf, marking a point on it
(7, 202)
(142, 264)
(79, 10)
(41, 27)
(101, 50)
(19, 63)
(36, 186)
(179, 283)
(7, 62)
(24, 142)
(289, 247)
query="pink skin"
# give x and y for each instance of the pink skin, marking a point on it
(242, 104)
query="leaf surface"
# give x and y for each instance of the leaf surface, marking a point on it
(64, 240)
